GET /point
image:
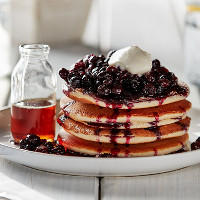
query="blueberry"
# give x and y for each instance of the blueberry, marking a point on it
(101, 75)
(75, 82)
(198, 140)
(126, 83)
(117, 90)
(59, 150)
(42, 148)
(49, 145)
(86, 82)
(30, 147)
(102, 69)
(111, 69)
(23, 144)
(195, 145)
(98, 83)
(155, 63)
(94, 72)
(33, 139)
(63, 73)
(135, 83)
(108, 79)
(90, 68)
(107, 91)
(92, 59)
(86, 61)
(149, 90)
(102, 90)
(172, 77)
(150, 77)
(101, 57)
(159, 90)
(165, 83)
(181, 90)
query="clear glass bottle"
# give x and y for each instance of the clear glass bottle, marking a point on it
(33, 94)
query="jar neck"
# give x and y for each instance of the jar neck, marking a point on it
(34, 57)
(34, 51)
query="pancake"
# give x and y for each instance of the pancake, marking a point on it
(135, 124)
(92, 114)
(160, 147)
(79, 95)
(126, 136)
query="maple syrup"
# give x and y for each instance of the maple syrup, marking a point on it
(36, 116)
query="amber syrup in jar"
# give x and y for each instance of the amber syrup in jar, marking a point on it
(33, 116)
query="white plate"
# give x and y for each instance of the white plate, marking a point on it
(88, 166)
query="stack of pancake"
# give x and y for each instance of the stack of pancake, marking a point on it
(145, 128)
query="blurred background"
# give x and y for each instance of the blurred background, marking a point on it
(168, 29)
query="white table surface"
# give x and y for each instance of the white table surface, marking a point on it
(29, 184)
(23, 183)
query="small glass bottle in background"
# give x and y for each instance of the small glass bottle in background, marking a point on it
(33, 94)
(192, 42)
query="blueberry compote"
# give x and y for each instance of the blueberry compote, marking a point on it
(196, 144)
(34, 143)
(96, 77)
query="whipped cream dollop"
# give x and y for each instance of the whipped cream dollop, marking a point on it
(133, 59)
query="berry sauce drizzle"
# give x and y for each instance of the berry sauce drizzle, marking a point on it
(68, 104)
(127, 152)
(114, 151)
(127, 134)
(155, 152)
(113, 106)
(130, 106)
(113, 117)
(161, 101)
(97, 131)
(100, 148)
(128, 120)
(98, 120)
(182, 125)
(156, 131)
(113, 136)
(97, 101)
(183, 146)
(61, 119)
(178, 118)
(156, 116)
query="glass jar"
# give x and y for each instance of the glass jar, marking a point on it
(33, 94)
